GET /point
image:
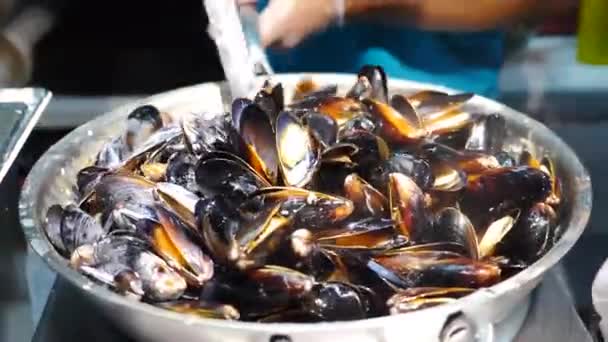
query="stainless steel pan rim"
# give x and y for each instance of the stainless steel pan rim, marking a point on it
(580, 201)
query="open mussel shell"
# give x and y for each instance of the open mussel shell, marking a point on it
(403, 106)
(422, 297)
(159, 282)
(298, 154)
(495, 233)
(340, 153)
(408, 207)
(203, 133)
(181, 201)
(117, 190)
(154, 171)
(433, 104)
(112, 154)
(367, 235)
(548, 167)
(153, 146)
(170, 239)
(526, 158)
(448, 177)
(394, 126)
(470, 162)
(419, 97)
(277, 279)
(257, 132)
(453, 226)
(261, 237)
(307, 208)
(117, 278)
(322, 127)
(367, 199)
(532, 236)
(449, 123)
(520, 185)
(308, 89)
(203, 309)
(340, 109)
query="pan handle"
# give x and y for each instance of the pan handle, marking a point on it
(259, 59)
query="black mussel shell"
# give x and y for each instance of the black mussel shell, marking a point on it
(54, 216)
(417, 169)
(359, 123)
(219, 224)
(378, 81)
(322, 127)
(367, 199)
(394, 126)
(258, 134)
(271, 100)
(372, 149)
(408, 207)
(181, 171)
(520, 185)
(88, 177)
(79, 228)
(533, 235)
(233, 178)
(439, 268)
(147, 113)
(334, 301)
(403, 106)
(361, 90)
(451, 225)
(112, 154)
(238, 106)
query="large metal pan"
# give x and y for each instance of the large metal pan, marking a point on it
(482, 314)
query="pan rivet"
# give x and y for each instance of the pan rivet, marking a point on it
(458, 328)
(280, 338)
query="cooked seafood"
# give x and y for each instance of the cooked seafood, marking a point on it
(329, 208)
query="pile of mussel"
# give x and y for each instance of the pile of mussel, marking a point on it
(328, 208)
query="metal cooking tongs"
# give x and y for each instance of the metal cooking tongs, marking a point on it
(235, 32)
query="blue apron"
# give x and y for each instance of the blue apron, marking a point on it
(464, 61)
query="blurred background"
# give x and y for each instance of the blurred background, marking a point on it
(96, 55)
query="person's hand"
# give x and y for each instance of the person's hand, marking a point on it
(285, 23)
